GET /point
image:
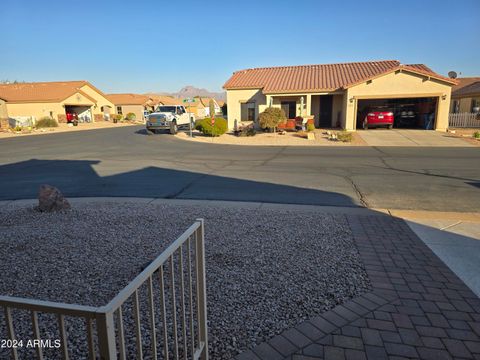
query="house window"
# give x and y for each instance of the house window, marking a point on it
(475, 105)
(251, 114)
(119, 110)
(456, 106)
(248, 111)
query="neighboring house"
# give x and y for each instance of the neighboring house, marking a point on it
(170, 100)
(3, 114)
(466, 96)
(55, 100)
(203, 106)
(164, 100)
(338, 94)
(132, 103)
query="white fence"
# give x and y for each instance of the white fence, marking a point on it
(464, 120)
(174, 305)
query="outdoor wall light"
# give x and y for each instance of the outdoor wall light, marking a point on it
(444, 97)
(351, 99)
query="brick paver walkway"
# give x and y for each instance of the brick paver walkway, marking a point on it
(418, 307)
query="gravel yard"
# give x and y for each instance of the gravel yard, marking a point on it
(267, 270)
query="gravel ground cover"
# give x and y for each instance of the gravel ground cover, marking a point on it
(267, 270)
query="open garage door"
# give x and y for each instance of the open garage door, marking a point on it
(408, 113)
(82, 113)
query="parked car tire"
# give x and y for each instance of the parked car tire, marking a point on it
(173, 128)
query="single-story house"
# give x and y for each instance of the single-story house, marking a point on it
(132, 103)
(164, 100)
(202, 105)
(3, 114)
(466, 96)
(170, 100)
(55, 100)
(337, 95)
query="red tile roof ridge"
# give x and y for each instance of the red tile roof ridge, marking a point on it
(372, 62)
(45, 82)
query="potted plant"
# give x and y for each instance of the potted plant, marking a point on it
(116, 118)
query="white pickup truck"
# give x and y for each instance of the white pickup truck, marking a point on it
(169, 117)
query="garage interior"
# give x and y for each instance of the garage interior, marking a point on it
(409, 113)
(83, 112)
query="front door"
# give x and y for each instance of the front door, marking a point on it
(326, 104)
(290, 109)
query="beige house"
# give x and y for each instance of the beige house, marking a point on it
(55, 100)
(3, 114)
(164, 100)
(132, 103)
(202, 105)
(337, 95)
(466, 96)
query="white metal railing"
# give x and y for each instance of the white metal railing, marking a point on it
(183, 328)
(464, 120)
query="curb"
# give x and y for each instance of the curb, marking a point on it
(403, 214)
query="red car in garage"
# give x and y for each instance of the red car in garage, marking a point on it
(377, 117)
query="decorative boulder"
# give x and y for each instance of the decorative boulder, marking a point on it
(51, 199)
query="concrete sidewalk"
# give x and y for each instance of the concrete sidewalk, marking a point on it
(457, 243)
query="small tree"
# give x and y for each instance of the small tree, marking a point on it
(131, 116)
(211, 107)
(271, 118)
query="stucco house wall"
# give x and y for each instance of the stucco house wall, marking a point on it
(42, 109)
(37, 110)
(236, 97)
(3, 109)
(101, 100)
(136, 109)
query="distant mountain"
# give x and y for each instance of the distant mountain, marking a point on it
(191, 91)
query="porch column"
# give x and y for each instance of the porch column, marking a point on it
(309, 104)
(269, 100)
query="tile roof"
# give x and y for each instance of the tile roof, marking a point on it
(471, 89)
(41, 91)
(462, 82)
(164, 99)
(322, 77)
(129, 99)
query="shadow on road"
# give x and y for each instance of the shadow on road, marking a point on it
(77, 178)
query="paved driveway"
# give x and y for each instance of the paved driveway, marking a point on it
(400, 137)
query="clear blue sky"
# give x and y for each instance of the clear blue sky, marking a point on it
(143, 45)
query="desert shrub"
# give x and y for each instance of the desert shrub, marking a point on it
(271, 118)
(117, 117)
(250, 131)
(310, 127)
(46, 122)
(131, 116)
(476, 134)
(219, 127)
(344, 136)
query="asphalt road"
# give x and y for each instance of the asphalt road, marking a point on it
(127, 162)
